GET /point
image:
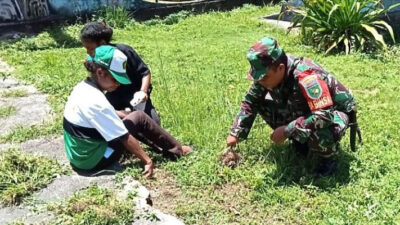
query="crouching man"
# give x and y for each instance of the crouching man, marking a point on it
(298, 99)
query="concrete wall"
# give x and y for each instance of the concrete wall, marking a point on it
(17, 10)
(22, 10)
(388, 3)
(27, 10)
(79, 7)
(37, 11)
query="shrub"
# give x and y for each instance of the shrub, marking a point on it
(343, 24)
(116, 16)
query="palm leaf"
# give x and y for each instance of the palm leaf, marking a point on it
(388, 27)
(346, 45)
(332, 10)
(334, 45)
(378, 37)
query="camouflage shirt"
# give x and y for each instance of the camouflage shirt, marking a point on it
(286, 103)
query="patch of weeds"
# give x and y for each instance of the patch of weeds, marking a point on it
(170, 19)
(6, 111)
(94, 206)
(116, 17)
(4, 75)
(16, 93)
(21, 174)
(151, 217)
(176, 17)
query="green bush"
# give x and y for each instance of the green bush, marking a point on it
(344, 25)
(116, 17)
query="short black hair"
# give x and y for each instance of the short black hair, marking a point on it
(96, 31)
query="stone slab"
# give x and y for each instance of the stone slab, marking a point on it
(67, 185)
(48, 147)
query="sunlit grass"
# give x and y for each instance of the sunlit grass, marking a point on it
(199, 75)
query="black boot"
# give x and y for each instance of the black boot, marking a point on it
(301, 149)
(326, 167)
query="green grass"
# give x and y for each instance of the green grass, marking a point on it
(21, 174)
(6, 111)
(94, 206)
(16, 93)
(199, 75)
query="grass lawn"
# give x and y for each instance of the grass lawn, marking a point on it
(199, 72)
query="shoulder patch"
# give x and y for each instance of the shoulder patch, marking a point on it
(315, 90)
(303, 67)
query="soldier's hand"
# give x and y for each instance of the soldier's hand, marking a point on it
(230, 158)
(278, 136)
(232, 141)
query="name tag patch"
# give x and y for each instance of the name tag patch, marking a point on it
(315, 90)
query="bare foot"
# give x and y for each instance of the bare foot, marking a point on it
(186, 150)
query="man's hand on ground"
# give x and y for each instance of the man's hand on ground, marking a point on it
(230, 158)
(148, 170)
(231, 141)
(278, 136)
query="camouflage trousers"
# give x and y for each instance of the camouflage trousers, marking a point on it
(321, 137)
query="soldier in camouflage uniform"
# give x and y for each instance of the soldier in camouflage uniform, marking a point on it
(297, 98)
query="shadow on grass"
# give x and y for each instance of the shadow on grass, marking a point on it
(112, 169)
(57, 37)
(295, 169)
(63, 39)
(129, 164)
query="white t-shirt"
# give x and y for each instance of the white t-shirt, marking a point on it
(90, 121)
(88, 107)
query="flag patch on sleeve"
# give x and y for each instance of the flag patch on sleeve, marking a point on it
(315, 90)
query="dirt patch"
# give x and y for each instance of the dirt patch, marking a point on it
(165, 193)
(230, 202)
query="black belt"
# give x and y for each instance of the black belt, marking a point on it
(354, 130)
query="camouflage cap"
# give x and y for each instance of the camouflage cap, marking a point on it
(261, 55)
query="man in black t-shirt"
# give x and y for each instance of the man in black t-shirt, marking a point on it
(135, 96)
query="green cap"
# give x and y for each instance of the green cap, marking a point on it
(261, 55)
(114, 61)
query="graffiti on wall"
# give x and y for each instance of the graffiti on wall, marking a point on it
(35, 9)
(17, 10)
(9, 10)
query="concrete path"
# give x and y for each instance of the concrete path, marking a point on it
(30, 110)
